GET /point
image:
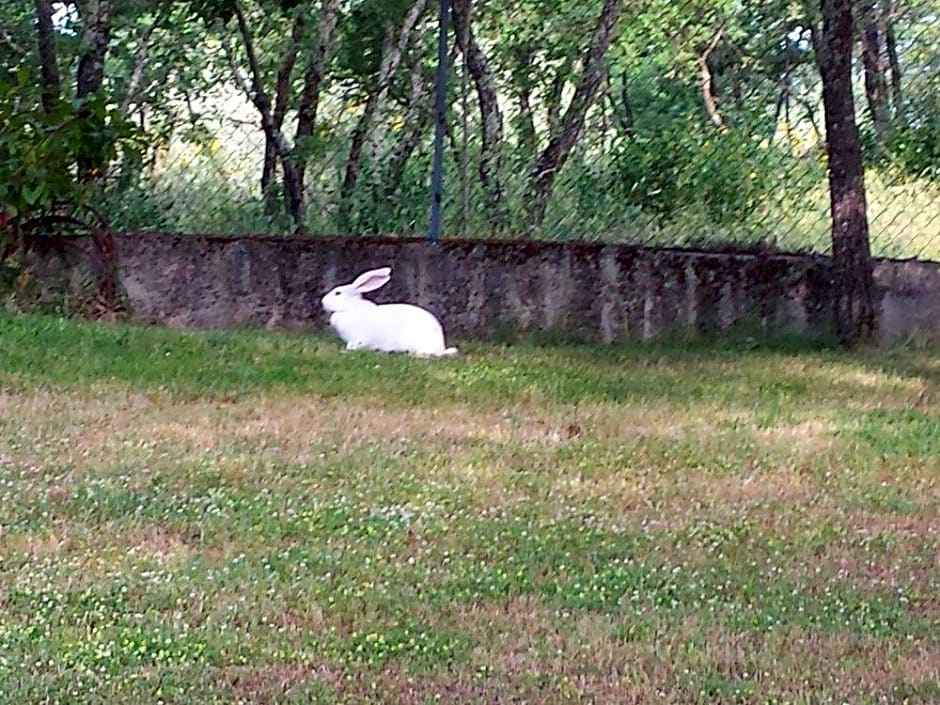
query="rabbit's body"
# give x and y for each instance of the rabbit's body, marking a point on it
(390, 328)
(364, 325)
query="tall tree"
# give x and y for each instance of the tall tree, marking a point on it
(252, 84)
(523, 87)
(564, 138)
(273, 102)
(851, 256)
(491, 118)
(96, 36)
(888, 12)
(48, 61)
(95, 17)
(876, 89)
(395, 43)
(282, 93)
(313, 82)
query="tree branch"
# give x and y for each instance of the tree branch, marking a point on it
(705, 75)
(253, 87)
(281, 99)
(490, 115)
(252, 84)
(555, 154)
(316, 69)
(137, 75)
(391, 58)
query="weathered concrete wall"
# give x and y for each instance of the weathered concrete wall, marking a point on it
(477, 288)
(909, 299)
(483, 288)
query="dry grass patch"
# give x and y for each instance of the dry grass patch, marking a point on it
(35, 545)
(261, 685)
(802, 439)
(159, 544)
(298, 422)
(89, 428)
(527, 653)
(782, 487)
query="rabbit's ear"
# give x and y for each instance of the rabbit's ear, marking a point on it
(372, 280)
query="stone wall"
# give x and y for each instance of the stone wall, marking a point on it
(484, 288)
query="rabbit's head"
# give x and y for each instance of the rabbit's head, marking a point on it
(349, 296)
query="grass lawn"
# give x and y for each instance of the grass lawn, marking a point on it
(258, 517)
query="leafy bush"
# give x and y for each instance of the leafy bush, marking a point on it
(728, 173)
(51, 161)
(916, 147)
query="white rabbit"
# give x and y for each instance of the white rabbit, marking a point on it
(362, 324)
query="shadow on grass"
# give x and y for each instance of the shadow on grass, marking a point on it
(911, 359)
(739, 367)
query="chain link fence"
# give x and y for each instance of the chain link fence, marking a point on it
(703, 130)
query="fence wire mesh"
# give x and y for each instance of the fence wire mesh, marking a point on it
(690, 123)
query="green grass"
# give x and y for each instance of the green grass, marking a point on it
(261, 517)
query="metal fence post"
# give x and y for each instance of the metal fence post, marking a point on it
(440, 107)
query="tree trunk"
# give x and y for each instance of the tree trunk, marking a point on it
(891, 48)
(490, 115)
(555, 95)
(253, 87)
(313, 82)
(875, 84)
(48, 61)
(391, 58)
(281, 98)
(553, 157)
(522, 88)
(418, 119)
(622, 107)
(851, 258)
(96, 35)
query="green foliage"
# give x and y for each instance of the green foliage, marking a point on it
(41, 152)
(212, 10)
(648, 166)
(364, 30)
(915, 146)
(16, 49)
(728, 173)
(224, 10)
